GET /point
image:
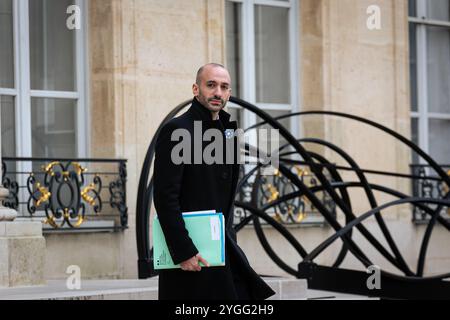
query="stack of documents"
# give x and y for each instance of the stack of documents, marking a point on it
(207, 231)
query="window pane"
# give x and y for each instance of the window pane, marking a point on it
(286, 122)
(52, 46)
(8, 126)
(236, 116)
(53, 127)
(272, 54)
(415, 137)
(439, 137)
(412, 8)
(438, 52)
(413, 65)
(234, 48)
(6, 45)
(438, 10)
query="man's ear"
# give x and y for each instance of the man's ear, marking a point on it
(195, 89)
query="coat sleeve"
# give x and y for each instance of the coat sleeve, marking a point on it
(167, 185)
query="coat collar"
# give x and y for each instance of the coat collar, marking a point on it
(201, 113)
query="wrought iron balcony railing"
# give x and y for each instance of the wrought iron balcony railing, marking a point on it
(428, 185)
(68, 194)
(269, 189)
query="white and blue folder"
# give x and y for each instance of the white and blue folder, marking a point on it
(207, 231)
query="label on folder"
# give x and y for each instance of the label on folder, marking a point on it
(207, 231)
(215, 228)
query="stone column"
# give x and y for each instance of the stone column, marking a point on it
(22, 247)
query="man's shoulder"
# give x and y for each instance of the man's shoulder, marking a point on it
(184, 121)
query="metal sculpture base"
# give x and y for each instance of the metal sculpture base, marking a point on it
(355, 282)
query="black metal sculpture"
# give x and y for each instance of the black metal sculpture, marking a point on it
(411, 284)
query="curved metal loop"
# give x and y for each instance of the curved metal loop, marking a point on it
(336, 189)
(320, 248)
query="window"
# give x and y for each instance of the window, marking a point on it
(42, 79)
(262, 57)
(7, 78)
(429, 26)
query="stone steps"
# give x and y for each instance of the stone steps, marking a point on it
(286, 289)
(329, 295)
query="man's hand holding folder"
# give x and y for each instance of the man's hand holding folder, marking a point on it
(192, 264)
(207, 231)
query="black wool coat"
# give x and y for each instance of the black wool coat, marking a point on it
(192, 187)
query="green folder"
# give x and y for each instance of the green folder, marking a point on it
(207, 231)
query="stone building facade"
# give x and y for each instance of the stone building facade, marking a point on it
(136, 60)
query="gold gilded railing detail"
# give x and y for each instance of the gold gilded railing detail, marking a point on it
(85, 194)
(274, 193)
(45, 194)
(51, 194)
(296, 209)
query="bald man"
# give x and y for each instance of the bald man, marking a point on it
(194, 186)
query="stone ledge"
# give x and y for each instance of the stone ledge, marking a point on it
(130, 290)
(288, 288)
(20, 229)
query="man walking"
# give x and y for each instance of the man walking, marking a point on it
(195, 186)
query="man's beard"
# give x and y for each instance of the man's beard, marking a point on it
(209, 100)
(222, 102)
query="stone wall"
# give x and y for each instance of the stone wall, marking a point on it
(143, 59)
